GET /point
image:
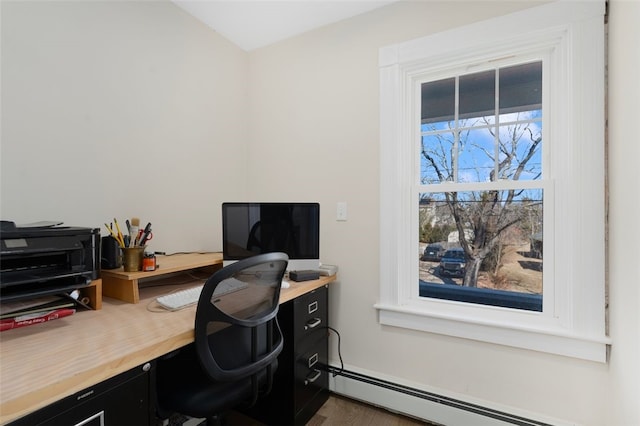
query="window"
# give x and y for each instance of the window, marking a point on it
(481, 134)
(492, 151)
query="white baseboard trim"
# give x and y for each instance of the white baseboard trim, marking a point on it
(431, 405)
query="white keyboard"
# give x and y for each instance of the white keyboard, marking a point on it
(189, 296)
(180, 299)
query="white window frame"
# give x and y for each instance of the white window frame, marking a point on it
(569, 38)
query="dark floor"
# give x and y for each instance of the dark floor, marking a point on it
(337, 411)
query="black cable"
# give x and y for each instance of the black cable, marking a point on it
(336, 372)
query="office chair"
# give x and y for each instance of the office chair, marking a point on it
(237, 342)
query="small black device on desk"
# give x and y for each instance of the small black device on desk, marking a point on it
(46, 260)
(305, 275)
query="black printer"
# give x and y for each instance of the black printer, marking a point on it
(37, 261)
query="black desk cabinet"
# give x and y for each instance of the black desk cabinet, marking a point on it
(301, 383)
(120, 401)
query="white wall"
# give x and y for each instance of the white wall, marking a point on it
(624, 211)
(314, 103)
(84, 84)
(121, 109)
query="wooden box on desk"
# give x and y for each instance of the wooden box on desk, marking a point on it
(123, 285)
(94, 292)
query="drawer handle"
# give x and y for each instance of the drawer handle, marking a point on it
(89, 420)
(312, 323)
(313, 377)
(312, 360)
(313, 307)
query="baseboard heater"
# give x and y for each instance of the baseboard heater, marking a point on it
(438, 399)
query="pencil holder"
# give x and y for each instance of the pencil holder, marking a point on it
(132, 258)
(111, 254)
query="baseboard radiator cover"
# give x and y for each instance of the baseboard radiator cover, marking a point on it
(421, 404)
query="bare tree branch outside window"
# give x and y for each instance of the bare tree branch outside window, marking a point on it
(490, 131)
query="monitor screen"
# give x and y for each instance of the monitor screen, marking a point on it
(254, 228)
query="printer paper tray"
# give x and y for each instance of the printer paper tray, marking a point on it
(39, 292)
(55, 286)
(37, 275)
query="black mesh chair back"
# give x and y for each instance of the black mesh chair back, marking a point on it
(237, 342)
(239, 304)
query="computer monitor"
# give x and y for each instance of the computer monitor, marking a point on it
(254, 228)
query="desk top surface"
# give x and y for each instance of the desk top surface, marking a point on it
(44, 363)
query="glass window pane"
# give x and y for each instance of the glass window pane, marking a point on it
(498, 258)
(483, 152)
(437, 126)
(438, 101)
(520, 150)
(476, 156)
(520, 87)
(436, 158)
(518, 117)
(477, 98)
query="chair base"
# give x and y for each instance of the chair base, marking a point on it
(178, 419)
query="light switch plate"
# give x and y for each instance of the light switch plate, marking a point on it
(341, 211)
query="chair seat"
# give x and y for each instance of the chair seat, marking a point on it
(191, 391)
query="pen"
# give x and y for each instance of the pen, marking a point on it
(126, 238)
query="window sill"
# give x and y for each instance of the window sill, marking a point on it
(547, 340)
(484, 296)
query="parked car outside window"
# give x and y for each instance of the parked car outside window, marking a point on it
(433, 252)
(452, 263)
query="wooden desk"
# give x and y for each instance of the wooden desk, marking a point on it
(44, 363)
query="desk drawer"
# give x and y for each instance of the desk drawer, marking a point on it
(310, 313)
(122, 400)
(311, 376)
(310, 342)
(297, 393)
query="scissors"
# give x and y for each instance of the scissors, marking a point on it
(144, 235)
